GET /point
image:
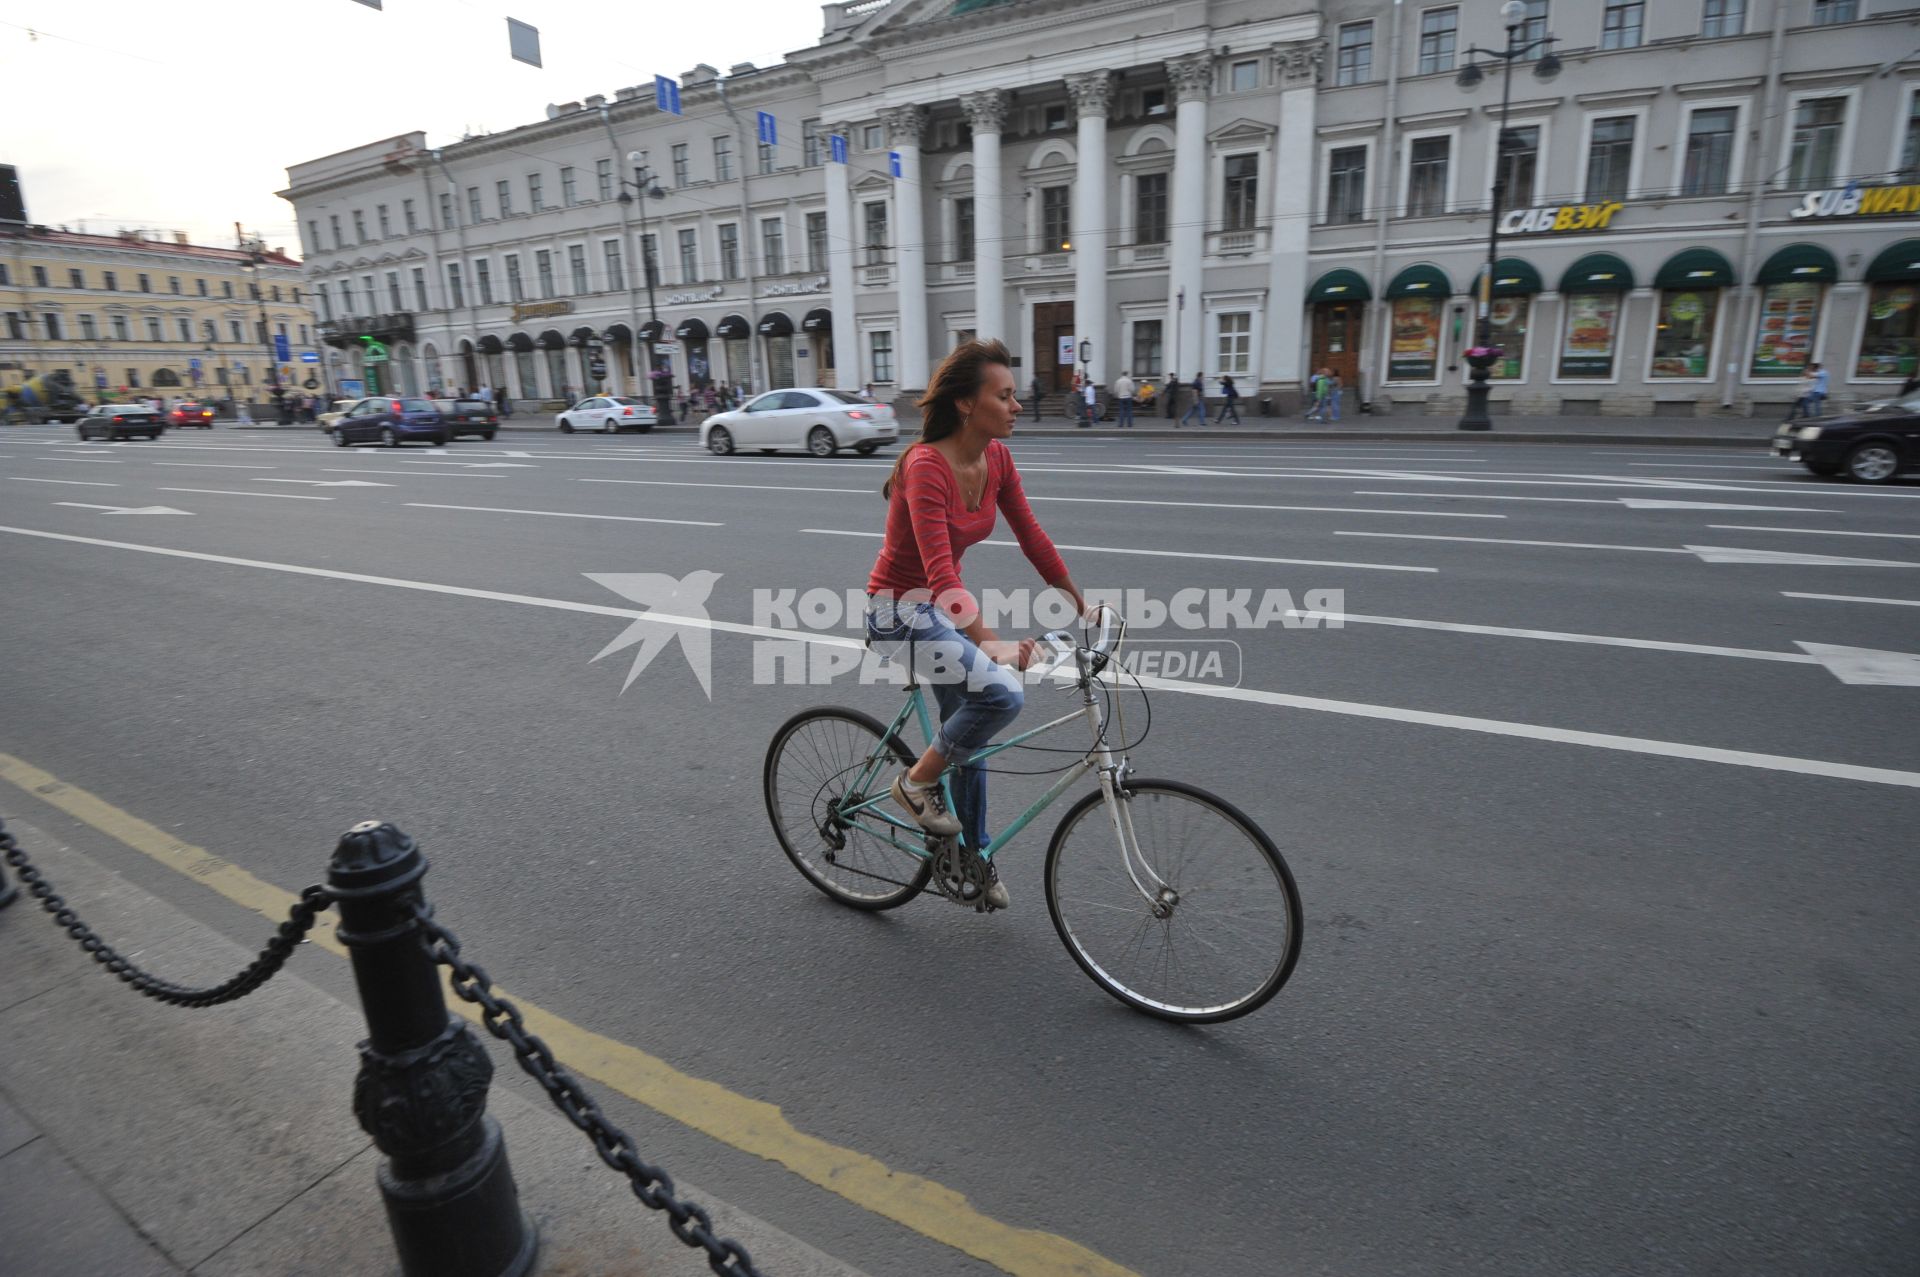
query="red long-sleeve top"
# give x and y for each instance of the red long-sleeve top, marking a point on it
(929, 527)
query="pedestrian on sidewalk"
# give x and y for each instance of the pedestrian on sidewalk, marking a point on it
(1198, 408)
(1091, 415)
(1333, 395)
(1036, 396)
(241, 417)
(1316, 396)
(1229, 402)
(505, 405)
(1170, 391)
(1123, 392)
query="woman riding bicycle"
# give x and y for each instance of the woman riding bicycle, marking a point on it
(943, 496)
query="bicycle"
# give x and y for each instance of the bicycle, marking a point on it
(1175, 903)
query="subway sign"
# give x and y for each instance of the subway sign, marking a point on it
(1855, 200)
(1561, 218)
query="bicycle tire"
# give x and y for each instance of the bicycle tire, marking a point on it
(1106, 924)
(811, 753)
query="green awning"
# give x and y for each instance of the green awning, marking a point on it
(1511, 278)
(1597, 273)
(1799, 264)
(1421, 281)
(1695, 268)
(1340, 286)
(1900, 263)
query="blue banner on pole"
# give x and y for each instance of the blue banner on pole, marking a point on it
(893, 161)
(666, 94)
(837, 148)
(768, 134)
(282, 353)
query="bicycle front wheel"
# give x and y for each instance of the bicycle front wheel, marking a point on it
(1216, 944)
(819, 761)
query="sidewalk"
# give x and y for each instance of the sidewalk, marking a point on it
(143, 1140)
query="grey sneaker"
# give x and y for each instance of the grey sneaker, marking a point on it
(997, 897)
(927, 806)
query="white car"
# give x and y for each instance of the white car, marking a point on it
(609, 413)
(820, 420)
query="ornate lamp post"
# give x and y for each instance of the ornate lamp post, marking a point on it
(255, 260)
(648, 189)
(1483, 355)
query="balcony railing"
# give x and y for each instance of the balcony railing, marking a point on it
(392, 327)
(1237, 243)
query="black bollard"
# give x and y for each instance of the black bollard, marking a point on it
(422, 1089)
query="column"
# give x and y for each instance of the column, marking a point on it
(1091, 94)
(1281, 349)
(910, 246)
(987, 112)
(1192, 79)
(848, 358)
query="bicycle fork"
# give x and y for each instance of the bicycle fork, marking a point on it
(1160, 895)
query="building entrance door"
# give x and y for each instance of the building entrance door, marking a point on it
(1051, 322)
(1336, 342)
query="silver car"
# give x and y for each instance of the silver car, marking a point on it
(609, 413)
(814, 418)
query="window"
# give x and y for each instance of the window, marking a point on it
(880, 356)
(1827, 12)
(616, 268)
(1353, 57)
(78, 279)
(1683, 332)
(503, 197)
(1150, 208)
(1054, 117)
(1153, 101)
(689, 243)
(1620, 25)
(1243, 76)
(234, 332)
(577, 267)
(326, 302)
(359, 227)
(333, 224)
(303, 335)
(1889, 343)
(1723, 17)
(184, 326)
(407, 216)
(1533, 27)
(17, 328)
(516, 287)
(146, 282)
(89, 331)
(1347, 184)
(313, 235)
(1817, 123)
(1438, 31)
(226, 288)
(173, 285)
(569, 192)
(1909, 145)
(773, 246)
(276, 292)
(1146, 349)
(346, 297)
(1609, 158)
(1592, 331)
(543, 269)
(420, 287)
(202, 286)
(1242, 191)
(650, 258)
(393, 291)
(603, 178)
(681, 173)
(871, 139)
(153, 330)
(963, 229)
(483, 281)
(1519, 165)
(1427, 176)
(1234, 345)
(1507, 328)
(1783, 342)
(456, 295)
(729, 251)
(810, 143)
(723, 158)
(876, 224)
(817, 242)
(446, 210)
(133, 378)
(1709, 160)
(765, 158)
(1056, 219)
(120, 330)
(1414, 352)
(51, 322)
(40, 278)
(474, 213)
(536, 202)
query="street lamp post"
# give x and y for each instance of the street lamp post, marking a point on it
(255, 260)
(648, 189)
(1483, 356)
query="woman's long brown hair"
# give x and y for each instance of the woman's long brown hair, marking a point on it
(959, 376)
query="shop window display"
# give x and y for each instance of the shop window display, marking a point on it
(1891, 341)
(1683, 332)
(1507, 321)
(1592, 333)
(1789, 314)
(1415, 353)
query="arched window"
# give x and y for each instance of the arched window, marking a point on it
(165, 377)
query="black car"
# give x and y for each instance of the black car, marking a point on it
(122, 421)
(468, 417)
(392, 422)
(1869, 445)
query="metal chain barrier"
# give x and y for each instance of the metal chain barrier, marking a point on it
(651, 1184)
(313, 901)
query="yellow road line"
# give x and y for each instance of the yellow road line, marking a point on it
(752, 1126)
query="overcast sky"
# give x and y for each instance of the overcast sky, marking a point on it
(185, 115)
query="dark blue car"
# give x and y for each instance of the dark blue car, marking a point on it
(392, 422)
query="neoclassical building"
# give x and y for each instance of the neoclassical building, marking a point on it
(1170, 187)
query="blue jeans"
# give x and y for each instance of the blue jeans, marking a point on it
(977, 696)
(1122, 413)
(1229, 406)
(1197, 409)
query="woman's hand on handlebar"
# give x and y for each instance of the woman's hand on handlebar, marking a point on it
(1015, 652)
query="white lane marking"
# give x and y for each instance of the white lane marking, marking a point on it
(331, 483)
(78, 483)
(1723, 465)
(1280, 457)
(1229, 505)
(1705, 553)
(213, 465)
(1251, 696)
(516, 454)
(1649, 503)
(1632, 503)
(412, 474)
(1564, 545)
(1851, 598)
(92, 461)
(1814, 532)
(1866, 666)
(225, 492)
(124, 509)
(1557, 636)
(749, 487)
(1158, 554)
(1759, 450)
(565, 514)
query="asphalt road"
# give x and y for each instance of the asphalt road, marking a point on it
(1609, 880)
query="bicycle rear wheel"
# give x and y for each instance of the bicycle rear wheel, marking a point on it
(816, 761)
(1225, 942)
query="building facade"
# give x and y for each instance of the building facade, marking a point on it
(1166, 187)
(128, 314)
